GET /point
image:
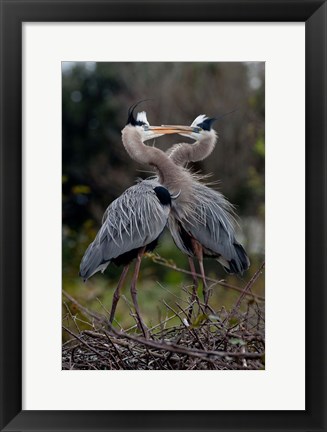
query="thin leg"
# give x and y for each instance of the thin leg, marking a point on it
(205, 286)
(142, 326)
(195, 285)
(116, 295)
(193, 271)
(199, 254)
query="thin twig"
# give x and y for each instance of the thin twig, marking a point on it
(247, 287)
(159, 260)
(83, 309)
(190, 352)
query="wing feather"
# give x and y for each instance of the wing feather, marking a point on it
(212, 224)
(133, 220)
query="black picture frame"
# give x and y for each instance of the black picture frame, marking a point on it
(13, 14)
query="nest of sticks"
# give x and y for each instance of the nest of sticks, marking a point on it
(204, 339)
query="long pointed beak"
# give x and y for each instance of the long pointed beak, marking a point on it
(170, 129)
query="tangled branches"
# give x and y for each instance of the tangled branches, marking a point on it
(219, 340)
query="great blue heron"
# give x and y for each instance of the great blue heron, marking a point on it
(207, 228)
(133, 222)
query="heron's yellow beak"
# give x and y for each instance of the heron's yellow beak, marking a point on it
(169, 129)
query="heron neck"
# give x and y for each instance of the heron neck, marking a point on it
(170, 175)
(182, 153)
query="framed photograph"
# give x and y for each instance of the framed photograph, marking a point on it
(92, 94)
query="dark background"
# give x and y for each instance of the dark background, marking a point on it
(97, 169)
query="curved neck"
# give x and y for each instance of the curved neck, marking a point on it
(182, 153)
(170, 175)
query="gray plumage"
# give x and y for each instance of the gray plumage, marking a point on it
(212, 223)
(132, 221)
(203, 213)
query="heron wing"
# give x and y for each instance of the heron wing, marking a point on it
(133, 220)
(212, 224)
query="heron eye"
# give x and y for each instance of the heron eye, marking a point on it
(146, 127)
(197, 129)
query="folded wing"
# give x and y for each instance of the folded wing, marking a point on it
(135, 219)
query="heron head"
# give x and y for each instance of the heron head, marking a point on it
(203, 122)
(201, 126)
(143, 126)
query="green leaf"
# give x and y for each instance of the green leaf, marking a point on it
(199, 320)
(214, 318)
(237, 341)
(233, 321)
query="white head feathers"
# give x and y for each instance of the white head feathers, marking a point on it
(141, 117)
(199, 120)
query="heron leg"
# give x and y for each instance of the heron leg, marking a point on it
(199, 254)
(116, 295)
(195, 285)
(205, 286)
(141, 324)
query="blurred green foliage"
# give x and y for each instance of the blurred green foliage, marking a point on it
(96, 169)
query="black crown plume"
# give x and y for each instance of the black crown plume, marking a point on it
(207, 123)
(131, 119)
